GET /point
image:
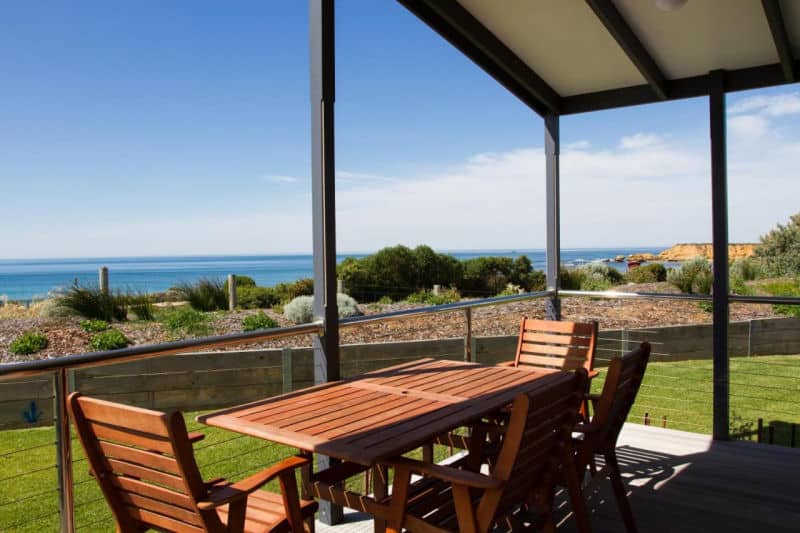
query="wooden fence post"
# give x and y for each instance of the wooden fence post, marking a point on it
(286, 369)
(468, 334)
(103, 276)
(232, 292)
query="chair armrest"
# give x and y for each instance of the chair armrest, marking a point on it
(244, 487)
(196, 436)
(586, 429)
(593, 374)
(507, 363)
(446, 473)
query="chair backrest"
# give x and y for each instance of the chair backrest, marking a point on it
(554, 344)
(534, 443)
(144, 463)
(623, 380)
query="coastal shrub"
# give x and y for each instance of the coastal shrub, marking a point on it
(94, 325)
(204, 295)
(111, 339)
(703, 282)
(301, 309)
(257, 297)
(91, 302)
(286, 292)
(485, 276)
(650, 273)
(28, 343)
(785, 288)
(385, 300)
(53, 309)
(142, 306)
(241, 281)
(780, 249)
(511, 290)
(398, 271)
(445, 296)
(747, 269)
(598, 277)
(185, 321)
(347, 305)
(684, 276)
(259, 320)
(571, 278)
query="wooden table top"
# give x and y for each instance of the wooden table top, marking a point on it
(383, 413)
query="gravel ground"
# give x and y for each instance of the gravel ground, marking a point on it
(66, 337)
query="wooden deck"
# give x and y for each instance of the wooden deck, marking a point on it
(682, 482)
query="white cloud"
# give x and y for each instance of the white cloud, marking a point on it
(639, 141)
(748, 127)
(280, 178)
(578, 145)
(775, 105)
(347, 177)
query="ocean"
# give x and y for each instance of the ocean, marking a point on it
(30, 279)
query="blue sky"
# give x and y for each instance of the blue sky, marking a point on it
(150, 128)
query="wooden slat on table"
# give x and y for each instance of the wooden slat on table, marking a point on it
(383, 413)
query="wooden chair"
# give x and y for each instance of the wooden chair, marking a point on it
(557, 345)
(611, 408)
(145, 465)
(536, 442)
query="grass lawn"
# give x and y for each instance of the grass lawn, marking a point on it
(761, 387)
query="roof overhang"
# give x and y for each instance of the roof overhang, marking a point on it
(573, 56)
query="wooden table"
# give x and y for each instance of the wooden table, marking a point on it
(383, 413)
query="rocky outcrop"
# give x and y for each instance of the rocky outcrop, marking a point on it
(641, 258)
(687, 251)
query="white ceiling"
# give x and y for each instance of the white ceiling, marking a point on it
(565, 43)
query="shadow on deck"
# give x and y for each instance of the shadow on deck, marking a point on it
(684, 482)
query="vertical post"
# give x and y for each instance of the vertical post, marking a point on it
(719, 215)
(232, 292)
(103, 280)
(66, 497)
(468, 334)
(340, 285)
(623, 341)
(286, 370)
(323, 192)
(552, 142)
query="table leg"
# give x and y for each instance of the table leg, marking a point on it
(380, 489)
(329, 513)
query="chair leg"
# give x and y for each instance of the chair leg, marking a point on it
(575, 493)
(619, 491)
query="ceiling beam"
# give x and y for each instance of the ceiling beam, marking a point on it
(692, 87)
(772, 10)
(611, 18)
(473, 39)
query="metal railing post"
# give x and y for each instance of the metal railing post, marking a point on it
(66, 497)
(468, 334)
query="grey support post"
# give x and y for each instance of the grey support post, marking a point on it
(326, 346)
(719, 215)
(551, 153)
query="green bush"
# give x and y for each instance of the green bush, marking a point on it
(259, 320)
(571, 278)
(185, 321)
(385, 300)
(94, 326)
(595, 277)
(142, 306)
(684, 276)
(257, 297)
(747, 269)
(445, 296)
(91, 302)
(204, 295)
(28, 343)
(650, 273)
(108, 340)
(241, 281)
(785, 288)
(780, 249)
(286, 292)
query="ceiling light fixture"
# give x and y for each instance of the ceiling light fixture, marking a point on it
(670, 5)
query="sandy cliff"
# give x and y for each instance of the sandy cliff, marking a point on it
(684, 252)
